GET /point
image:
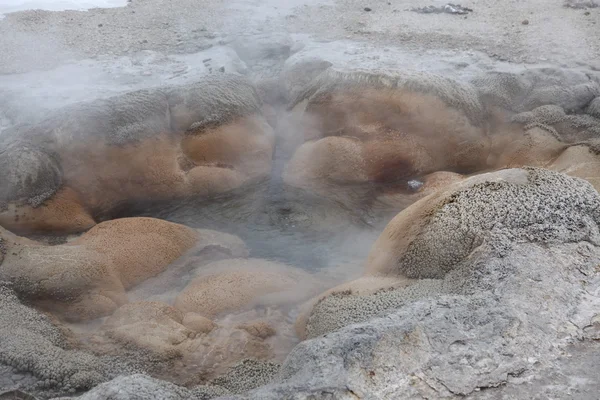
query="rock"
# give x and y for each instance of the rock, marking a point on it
(569, 89)
(198, 323)
(260, 329)
(523, 290)
(205, 138)
(580, 4)
(15, 395)
(247, 375)
(525, 22)
(40, 352)
(594, 108)
(298, 71)
(536, 114)
(86, 278)
(447, 8)
(347, 145)
(149, 326)
(581, 161)
(523, 203)
(367, 289)
(211, 246)
(238, 284)
(143, 387)
(367, 9)
(156, 336)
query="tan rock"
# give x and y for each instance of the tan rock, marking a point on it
(231, 285)
(149, 326)
(85, 160)
(260, 329)
(198, 323)
(579, 161)
(87, 277)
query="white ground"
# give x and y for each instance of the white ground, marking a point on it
(8, 6)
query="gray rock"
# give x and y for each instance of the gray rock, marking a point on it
(447, 8)
(451, 344)
(16, 395)
(569, 89)
(264, 53)
(29, 155)
(580, 4)
(594, 108)
(247, 375)
(30, 174)
(541, 206)
(254, 48)
(463, 96)
(143, 387)
(503, 313)
(298, 72)
(37, 350)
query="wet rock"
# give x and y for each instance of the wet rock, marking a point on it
(236, 284)
(198, 323)
(507, 308)
(149, 326)
(86, 278)
(131, 124)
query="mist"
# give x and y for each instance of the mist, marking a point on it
(210, 171)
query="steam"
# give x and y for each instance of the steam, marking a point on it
(322, 222)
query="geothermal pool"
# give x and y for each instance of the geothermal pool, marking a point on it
(192, 207)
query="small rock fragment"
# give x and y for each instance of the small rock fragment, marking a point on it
(449, 8)
(581, 4)
(260, 329)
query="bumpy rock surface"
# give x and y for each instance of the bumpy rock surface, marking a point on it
(436, 233)
(142, 387)
(571, 90)
(156, 144)
(40, 354)
(248, 375)
(371, 133)
(86, 278)
(243, 377)
(516, 286)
